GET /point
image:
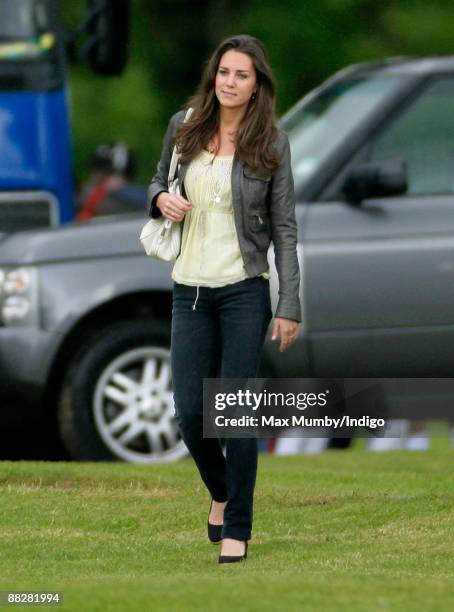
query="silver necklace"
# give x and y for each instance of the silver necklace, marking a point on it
(217, 192)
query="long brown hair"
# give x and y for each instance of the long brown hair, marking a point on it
(257, 129)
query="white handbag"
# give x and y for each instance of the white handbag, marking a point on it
(161, 238)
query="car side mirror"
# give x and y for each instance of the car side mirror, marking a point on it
(376, 180)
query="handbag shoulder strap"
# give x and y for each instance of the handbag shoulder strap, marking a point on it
(175, 155)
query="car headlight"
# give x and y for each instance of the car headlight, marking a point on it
(18, 296)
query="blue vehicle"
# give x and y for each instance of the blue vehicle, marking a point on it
(36, 180)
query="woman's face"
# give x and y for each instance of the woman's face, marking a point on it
(236, 79)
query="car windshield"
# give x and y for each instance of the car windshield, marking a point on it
(24, 29)
(318, 126)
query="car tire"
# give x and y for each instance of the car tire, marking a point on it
(116, 401)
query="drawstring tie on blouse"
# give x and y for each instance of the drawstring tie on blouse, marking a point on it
(197, 297)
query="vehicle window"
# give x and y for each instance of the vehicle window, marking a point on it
(322, 122)
(24, 29)
(423, 135)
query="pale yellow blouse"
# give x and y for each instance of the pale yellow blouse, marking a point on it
(210, 254)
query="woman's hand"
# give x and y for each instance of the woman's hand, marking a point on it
(287, 330)
(172, 206)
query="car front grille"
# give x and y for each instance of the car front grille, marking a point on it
(27, 210)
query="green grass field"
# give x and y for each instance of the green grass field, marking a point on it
(344, 530)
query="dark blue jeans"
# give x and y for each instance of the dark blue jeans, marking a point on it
(223, 336)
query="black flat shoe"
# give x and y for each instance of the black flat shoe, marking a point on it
(214, 531)
(233, 558)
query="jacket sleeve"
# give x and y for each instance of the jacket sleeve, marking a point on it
(158, 183)
(284, 234)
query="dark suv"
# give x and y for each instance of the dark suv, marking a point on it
(85, 315)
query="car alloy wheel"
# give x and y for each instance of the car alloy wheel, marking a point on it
(133, 407)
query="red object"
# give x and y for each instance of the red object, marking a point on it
(91, 202)
(271, 444)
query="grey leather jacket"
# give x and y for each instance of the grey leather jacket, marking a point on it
(264, 210)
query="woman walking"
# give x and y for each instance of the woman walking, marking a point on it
(237, 196)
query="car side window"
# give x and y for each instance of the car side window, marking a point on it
(423, 135)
